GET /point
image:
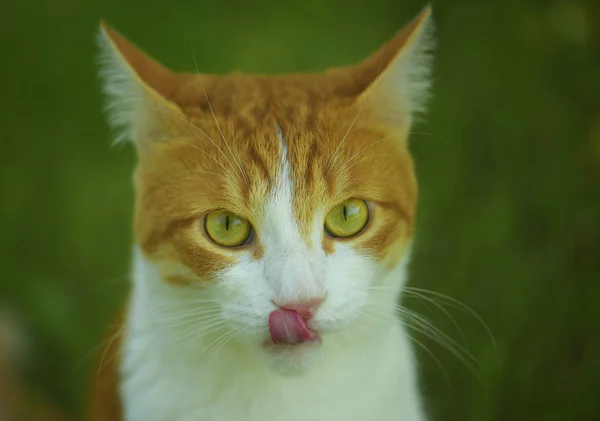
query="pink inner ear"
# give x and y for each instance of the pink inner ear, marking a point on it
(288, 327)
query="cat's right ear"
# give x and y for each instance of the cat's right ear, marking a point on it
(137, 88)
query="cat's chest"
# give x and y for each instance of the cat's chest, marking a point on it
(169, 400)
(159, 387)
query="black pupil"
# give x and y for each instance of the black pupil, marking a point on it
(227, 222)
(345, 210)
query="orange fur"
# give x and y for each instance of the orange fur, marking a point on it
(104, 403)
(224, 154)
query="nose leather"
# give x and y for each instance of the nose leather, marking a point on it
(306, 308)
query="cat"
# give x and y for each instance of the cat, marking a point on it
(274, 217)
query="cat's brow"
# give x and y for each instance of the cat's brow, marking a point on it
(198, 129)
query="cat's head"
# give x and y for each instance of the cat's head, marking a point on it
(256, 193)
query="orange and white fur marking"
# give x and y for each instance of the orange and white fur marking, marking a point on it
(293, 322)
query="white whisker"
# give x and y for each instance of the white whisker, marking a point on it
(431, 354)
(203, 330)
(419, 323)
(113, 338)
(365, 100)
(233, 333)
(443, 310)
(373, 317)
(427, 134)
(219, 338)
(243, 171)
(458, 304)
(187, 322)
(335, 153)
(343, 166)
(203, 133)
(185, 303)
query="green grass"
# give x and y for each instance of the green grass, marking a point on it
(508, 162)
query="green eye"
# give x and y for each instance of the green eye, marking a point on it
(347, 219)
(227, 229)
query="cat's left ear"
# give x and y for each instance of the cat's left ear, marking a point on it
(137, 89)
(396, 78)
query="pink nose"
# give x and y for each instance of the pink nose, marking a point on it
(305, 308)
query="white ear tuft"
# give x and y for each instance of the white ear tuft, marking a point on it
(415, 69)
(136, 87)
(401, 90)
(124, 91)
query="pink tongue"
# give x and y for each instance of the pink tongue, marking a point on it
(287, 327)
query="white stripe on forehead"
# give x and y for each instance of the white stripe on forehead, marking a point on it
(285, 164)
(291, 267)
(280, 225)
(284, 191)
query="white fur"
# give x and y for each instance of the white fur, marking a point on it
(132, 107)
(363, 370)
(123, 90)
(402, 91)
(413, 69)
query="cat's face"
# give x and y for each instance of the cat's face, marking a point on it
(255, 193)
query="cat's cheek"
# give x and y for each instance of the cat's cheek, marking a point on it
(245, 296)
(348, 276)
(177, 274)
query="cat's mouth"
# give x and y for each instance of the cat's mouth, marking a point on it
(290, 328)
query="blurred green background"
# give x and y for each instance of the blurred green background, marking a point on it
(508, 161)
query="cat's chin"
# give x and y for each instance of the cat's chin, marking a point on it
(292, 360)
